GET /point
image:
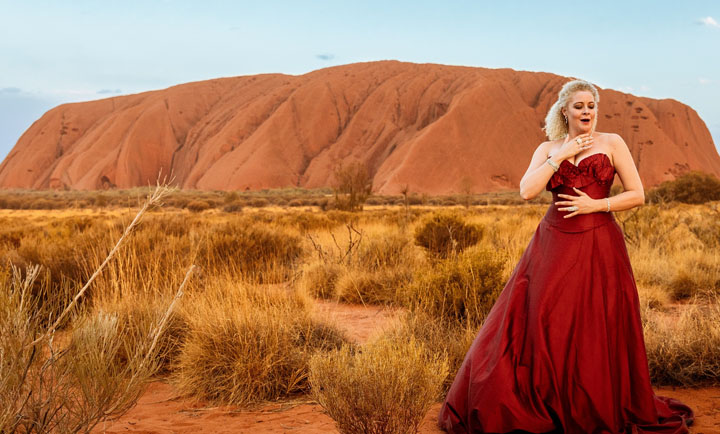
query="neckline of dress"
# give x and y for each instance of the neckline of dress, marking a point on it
(597, 153)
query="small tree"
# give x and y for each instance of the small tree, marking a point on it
(467, 186)
(353, 185)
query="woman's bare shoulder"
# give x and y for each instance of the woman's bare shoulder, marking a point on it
(610, 138)
(550, 144)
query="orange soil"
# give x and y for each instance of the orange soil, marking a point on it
(161, 411)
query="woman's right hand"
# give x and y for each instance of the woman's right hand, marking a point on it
(574, 146)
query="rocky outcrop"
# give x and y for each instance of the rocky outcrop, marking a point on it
(435, 128)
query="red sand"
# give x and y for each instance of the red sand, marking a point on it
(160, 411)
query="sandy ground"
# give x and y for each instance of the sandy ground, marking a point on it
(161, 411)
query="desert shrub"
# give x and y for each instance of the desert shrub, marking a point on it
(177, 202)
(443, 234)
(167, 224)
(306, 221)
(108, 358)
(198, 205)
(235, 206)
(647, 224)
(134, 316)
(299, 202)
(41, 203)
(460, 289)
(450, 201)
(13, 203)
(386, 387)
(683, 285)
(653, 297)
(383, 286)
(247, 345)
(67, 251)
(100, 200)
(696, 273)
(49, 385)
(375, 200)
(259, 252)
(415, 199)
(319, 279)
(441, 338)
(342, 217)
(230, 197)
(258, 202)
(692, 187)
(63, 248)
(388, 250)
(684, 348)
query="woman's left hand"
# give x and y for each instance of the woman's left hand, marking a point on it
(584, 203)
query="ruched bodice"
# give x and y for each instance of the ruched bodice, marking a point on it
(594, 176)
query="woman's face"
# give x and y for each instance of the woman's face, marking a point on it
(581, 111)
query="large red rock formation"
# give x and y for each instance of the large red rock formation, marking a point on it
(435, 128)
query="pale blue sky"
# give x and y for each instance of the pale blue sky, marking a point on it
(62, 51)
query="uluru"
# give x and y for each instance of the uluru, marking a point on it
(436, 129)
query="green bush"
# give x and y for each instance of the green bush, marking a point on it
(692, 187)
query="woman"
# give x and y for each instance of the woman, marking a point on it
(562, 349)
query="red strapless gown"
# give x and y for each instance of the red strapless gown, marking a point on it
(562, 349)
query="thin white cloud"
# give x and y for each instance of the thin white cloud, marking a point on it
(703, 80)
(710, 22)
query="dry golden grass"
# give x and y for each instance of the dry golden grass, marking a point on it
(676, 248)
(441, 338)
(459, 289)
(49, 385)
(237, 340)
(683, 346)
(247, 344)
(370, 263)
(385, 387)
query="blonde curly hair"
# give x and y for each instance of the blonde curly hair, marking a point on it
(555, 124)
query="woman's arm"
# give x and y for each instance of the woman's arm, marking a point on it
(538, 173)
(634, 194)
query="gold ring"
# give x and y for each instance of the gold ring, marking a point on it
(579, 141)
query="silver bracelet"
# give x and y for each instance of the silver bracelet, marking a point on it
(553, 164)
(608, 203)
